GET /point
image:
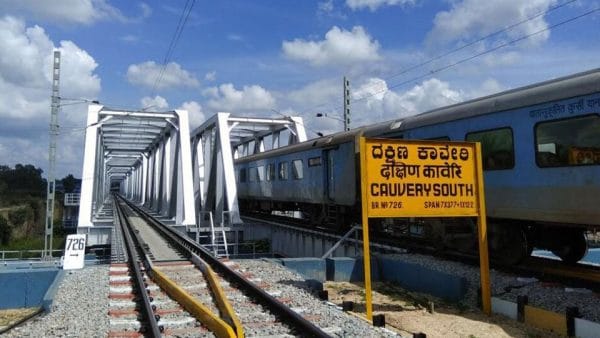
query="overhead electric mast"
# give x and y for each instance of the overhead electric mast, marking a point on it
(52, 155)
(346, 104)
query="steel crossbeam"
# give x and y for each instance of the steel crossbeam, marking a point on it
(217, 142)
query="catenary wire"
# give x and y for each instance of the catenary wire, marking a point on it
(452, 51)
(474, 56)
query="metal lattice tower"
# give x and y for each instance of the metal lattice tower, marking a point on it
(346, 104)
(52, 156)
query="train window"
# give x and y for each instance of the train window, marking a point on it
(252, 174)
(297, 169)
(260, 171)
(283, 171)
(497, 148)
(568, 142)
(314, 161)
(242, 175)
(270, 172)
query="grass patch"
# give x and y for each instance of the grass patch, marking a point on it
(33, 243)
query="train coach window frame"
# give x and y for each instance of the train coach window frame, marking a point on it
(260, 173)
(297, 169)
(252, 174)
(564, 155)
(314, 161)
(270, 176)
(283, 172)
(488, 160)
(242, 175)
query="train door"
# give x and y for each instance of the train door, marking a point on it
(328, 158)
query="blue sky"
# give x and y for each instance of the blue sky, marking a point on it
(254, 57)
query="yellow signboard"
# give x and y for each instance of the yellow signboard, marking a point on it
(405, 178)
(420, 179)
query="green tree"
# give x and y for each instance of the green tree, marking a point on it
(18, 216)
(23, 178)
(5, 231)
(69, 182)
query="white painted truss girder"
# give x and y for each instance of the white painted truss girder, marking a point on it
(146, 154)
(216, 143)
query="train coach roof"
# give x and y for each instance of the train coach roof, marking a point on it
(321, 142)
(544, 92)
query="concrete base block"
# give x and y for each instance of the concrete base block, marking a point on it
(421, 279)
(504, 307)
(383, 268)
(350, 269)
(586, 329)
(313, 269)
(52, 289)
(19, 289)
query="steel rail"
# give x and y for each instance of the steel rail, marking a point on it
(578, 275)
(288, 316)
(147, 311)
(212, 321)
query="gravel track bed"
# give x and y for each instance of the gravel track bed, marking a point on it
(287, 285)
(176, 321)
(80, 308)
(256, 320)
(548, 296)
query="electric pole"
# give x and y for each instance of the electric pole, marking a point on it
(346, 104)
(52, 156)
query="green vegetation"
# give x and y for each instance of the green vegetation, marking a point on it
(33, 243)
(5, 231)
(23, 207)
(20, 182)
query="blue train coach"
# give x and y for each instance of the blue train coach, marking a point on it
(541, 159)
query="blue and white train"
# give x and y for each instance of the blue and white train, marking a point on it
(541, 159)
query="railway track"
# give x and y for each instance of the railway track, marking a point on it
(578, 275)
(212, 298)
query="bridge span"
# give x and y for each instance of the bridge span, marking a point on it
(186, 178)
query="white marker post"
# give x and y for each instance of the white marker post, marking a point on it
(74, 252)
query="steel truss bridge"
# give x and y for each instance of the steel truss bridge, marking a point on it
(186, 178)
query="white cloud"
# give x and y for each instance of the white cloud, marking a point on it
(338, 47)
(66, 11)
(210, 76)
(159, 103)
(146, 74)
(325, 6)
(373, 5)
(195, 113)
(26, 70)
(382, 104)
(25, 88)
(234, 37)
(129, 38)
(146, 10)
(502, 59)
(315, 93)
(488, 87)
(227, 98)
(154, 103)
(469, 19)
(327, 9)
